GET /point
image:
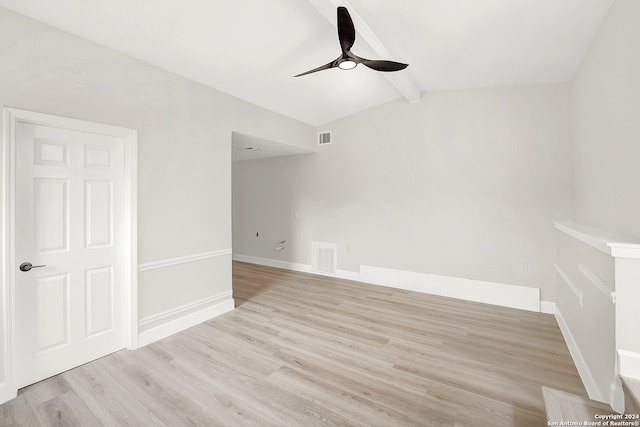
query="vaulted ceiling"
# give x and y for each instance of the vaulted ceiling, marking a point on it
(252, 48)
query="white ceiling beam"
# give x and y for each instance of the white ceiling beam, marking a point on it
(401, 81)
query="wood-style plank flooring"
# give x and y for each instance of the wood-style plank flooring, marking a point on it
(305, 350)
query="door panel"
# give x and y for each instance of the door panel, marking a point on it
(99, 293)
(52, 312)
(51, 214)
(98, 213)
(69, 218)
(98, 157)
(51, 152)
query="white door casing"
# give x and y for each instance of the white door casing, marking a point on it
(69, 204)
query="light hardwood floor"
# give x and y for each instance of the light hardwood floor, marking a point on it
(304, 350)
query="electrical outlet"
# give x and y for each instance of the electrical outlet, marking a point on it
(347, 248)
(524, 264)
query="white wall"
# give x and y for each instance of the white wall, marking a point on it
(605, 113)
(463, 184)
(184, 136)
(606, 125)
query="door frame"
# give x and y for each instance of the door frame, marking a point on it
(12, 116)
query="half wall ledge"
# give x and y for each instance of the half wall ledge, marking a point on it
(626, 254)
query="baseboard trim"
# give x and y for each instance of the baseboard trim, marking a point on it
(182, 260)
(616, 396)
(512, 296)
(303, 268)
(629, 362)
(348, 275)
(162, 325)
(578, 359)
(547, 307)
(7, 393)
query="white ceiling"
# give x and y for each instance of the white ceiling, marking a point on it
(252, 48)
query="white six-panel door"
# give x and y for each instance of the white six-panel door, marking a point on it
(69, 217)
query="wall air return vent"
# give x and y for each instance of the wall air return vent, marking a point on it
(324, 138)
(324, 257)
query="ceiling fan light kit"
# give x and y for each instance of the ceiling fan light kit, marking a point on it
(348, 61)
(347, 64)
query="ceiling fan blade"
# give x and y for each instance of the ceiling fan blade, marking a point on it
(380, 65)
(346, 30)
(322, 67)
(347, 61)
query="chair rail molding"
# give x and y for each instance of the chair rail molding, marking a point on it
(600, 284)
(182, 260)
(577, 292)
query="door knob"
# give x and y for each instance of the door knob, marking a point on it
(26, 266)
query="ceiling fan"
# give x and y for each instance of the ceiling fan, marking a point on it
(348, 61)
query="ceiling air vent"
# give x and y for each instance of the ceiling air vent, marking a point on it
(324, 138)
